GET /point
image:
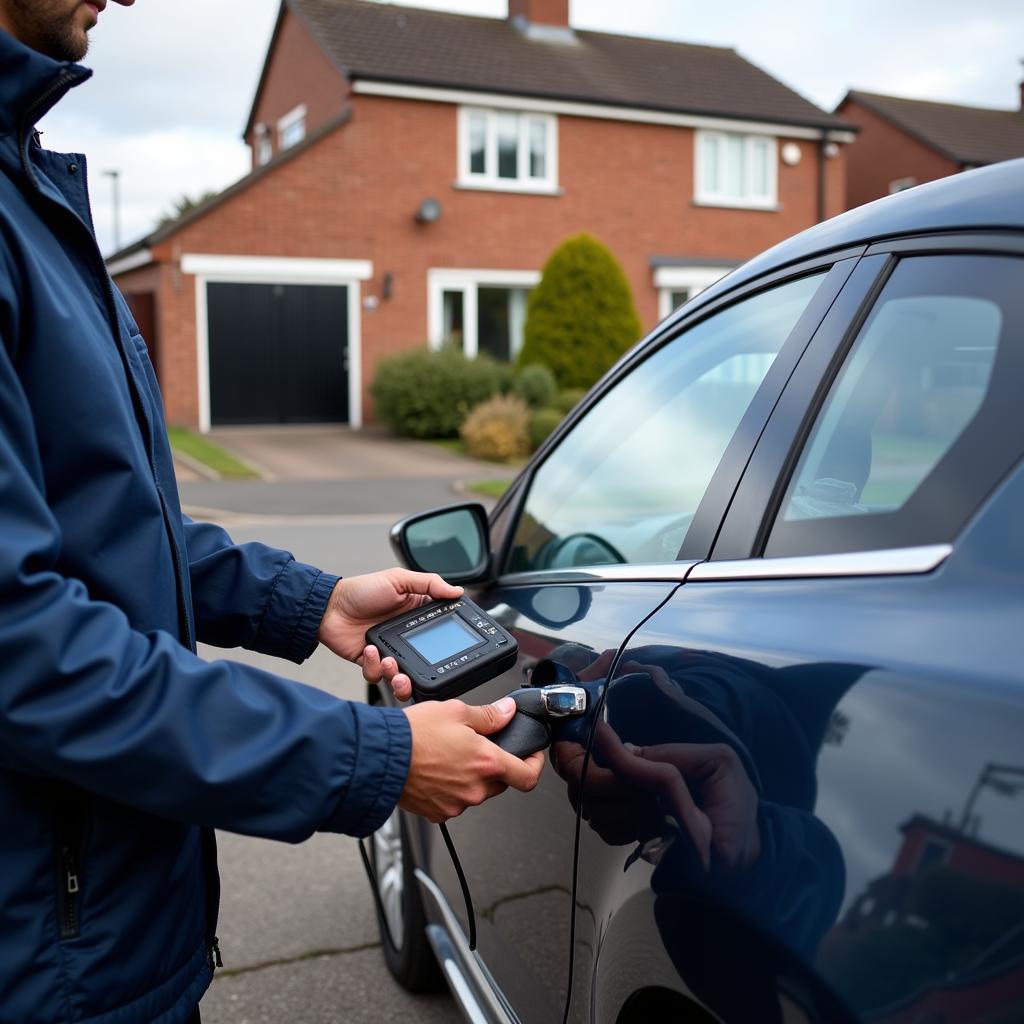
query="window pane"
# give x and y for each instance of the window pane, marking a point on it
(477, 128)
(452, 314)
(508, 145)
(678, 296)
(538, 148)
(624, 485)
(493, 326)
(734, 169)
(709, 164)
(759, 153)
(875, 471)
(293, 133)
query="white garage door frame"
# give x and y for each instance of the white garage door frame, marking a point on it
(209, 269)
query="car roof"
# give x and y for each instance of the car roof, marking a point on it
(983, 199)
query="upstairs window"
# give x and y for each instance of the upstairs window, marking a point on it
(504, 149)
(736, 170)
(291, 129)
(264, 145)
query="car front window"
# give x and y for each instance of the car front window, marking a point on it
(624, 484)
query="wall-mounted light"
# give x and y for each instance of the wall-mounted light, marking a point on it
(429, 211)
(831, 149)
(791, 154)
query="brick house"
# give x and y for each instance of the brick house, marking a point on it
(413, 170)
(903, 142)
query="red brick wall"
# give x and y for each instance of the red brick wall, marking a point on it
(354, 194)
(299, 72)
(883, 153)
(544, 12)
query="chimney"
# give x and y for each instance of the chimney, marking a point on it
(540, 12)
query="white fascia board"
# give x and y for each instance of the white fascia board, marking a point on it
(398, 90)
(688, 276)
(142, 258)
(276, 269)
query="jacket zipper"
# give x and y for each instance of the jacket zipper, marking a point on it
(68, 890)
(62, 83)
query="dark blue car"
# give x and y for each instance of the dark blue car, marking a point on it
(781, 544)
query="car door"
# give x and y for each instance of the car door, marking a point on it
(588, 547)
(800, 799)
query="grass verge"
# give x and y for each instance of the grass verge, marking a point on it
(198, 448)
(488, 488)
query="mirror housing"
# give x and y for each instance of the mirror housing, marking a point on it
(452, 541)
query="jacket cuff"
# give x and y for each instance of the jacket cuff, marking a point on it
(385, 740)
(295, 607)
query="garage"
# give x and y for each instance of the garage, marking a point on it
(278, 353)
(278, 339)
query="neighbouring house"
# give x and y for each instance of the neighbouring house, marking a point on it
(413, 170)
(903, 142)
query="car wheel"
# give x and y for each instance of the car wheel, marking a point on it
(410, 958)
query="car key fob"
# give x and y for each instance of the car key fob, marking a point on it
(539, 707)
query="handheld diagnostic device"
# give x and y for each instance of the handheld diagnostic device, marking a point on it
(446, 647)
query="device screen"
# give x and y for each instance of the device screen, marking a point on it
(439, 640)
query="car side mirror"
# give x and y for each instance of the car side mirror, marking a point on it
(451, 541)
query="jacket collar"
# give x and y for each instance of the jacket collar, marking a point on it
(31, 83)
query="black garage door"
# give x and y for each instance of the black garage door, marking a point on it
(278, 353)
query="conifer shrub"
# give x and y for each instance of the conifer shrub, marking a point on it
(581, 316)
(429, 394)
(498, 429)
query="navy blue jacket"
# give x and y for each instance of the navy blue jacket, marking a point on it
(120, 750)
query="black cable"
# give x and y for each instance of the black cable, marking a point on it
(471, 916)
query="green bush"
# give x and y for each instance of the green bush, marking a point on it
(581, 316)
(535, 385)
(498, 429)
(567, 399)
(542, 423)
(429, 394)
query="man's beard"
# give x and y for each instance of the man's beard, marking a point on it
(49, 27)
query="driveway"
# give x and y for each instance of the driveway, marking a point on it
(333, 471)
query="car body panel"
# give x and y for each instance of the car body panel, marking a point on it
(886, 889)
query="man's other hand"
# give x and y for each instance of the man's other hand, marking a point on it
(453, 766)
(359, 602)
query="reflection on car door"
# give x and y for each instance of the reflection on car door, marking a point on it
(799, 805)
(591, 552)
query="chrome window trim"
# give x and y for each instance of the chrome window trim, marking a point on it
(890, 562)
(667, 572)
(469, 964)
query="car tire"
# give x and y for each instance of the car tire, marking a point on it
(410, 959)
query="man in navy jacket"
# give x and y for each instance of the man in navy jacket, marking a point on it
(120, 749)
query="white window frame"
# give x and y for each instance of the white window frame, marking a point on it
(705, 196)
(467, 281)
(209, 268)
(693, 278)
(489, 178)
(901, 184)
(288, 121)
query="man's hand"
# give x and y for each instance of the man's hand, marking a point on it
(359, 602)
(453, 766)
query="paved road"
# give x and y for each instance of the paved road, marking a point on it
(297, 930)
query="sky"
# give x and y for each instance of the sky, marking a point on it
(174, 79)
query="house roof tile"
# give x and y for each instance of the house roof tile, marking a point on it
(384, 42)
(968, 135)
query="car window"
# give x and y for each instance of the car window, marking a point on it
(883, 463)
(624, 484)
